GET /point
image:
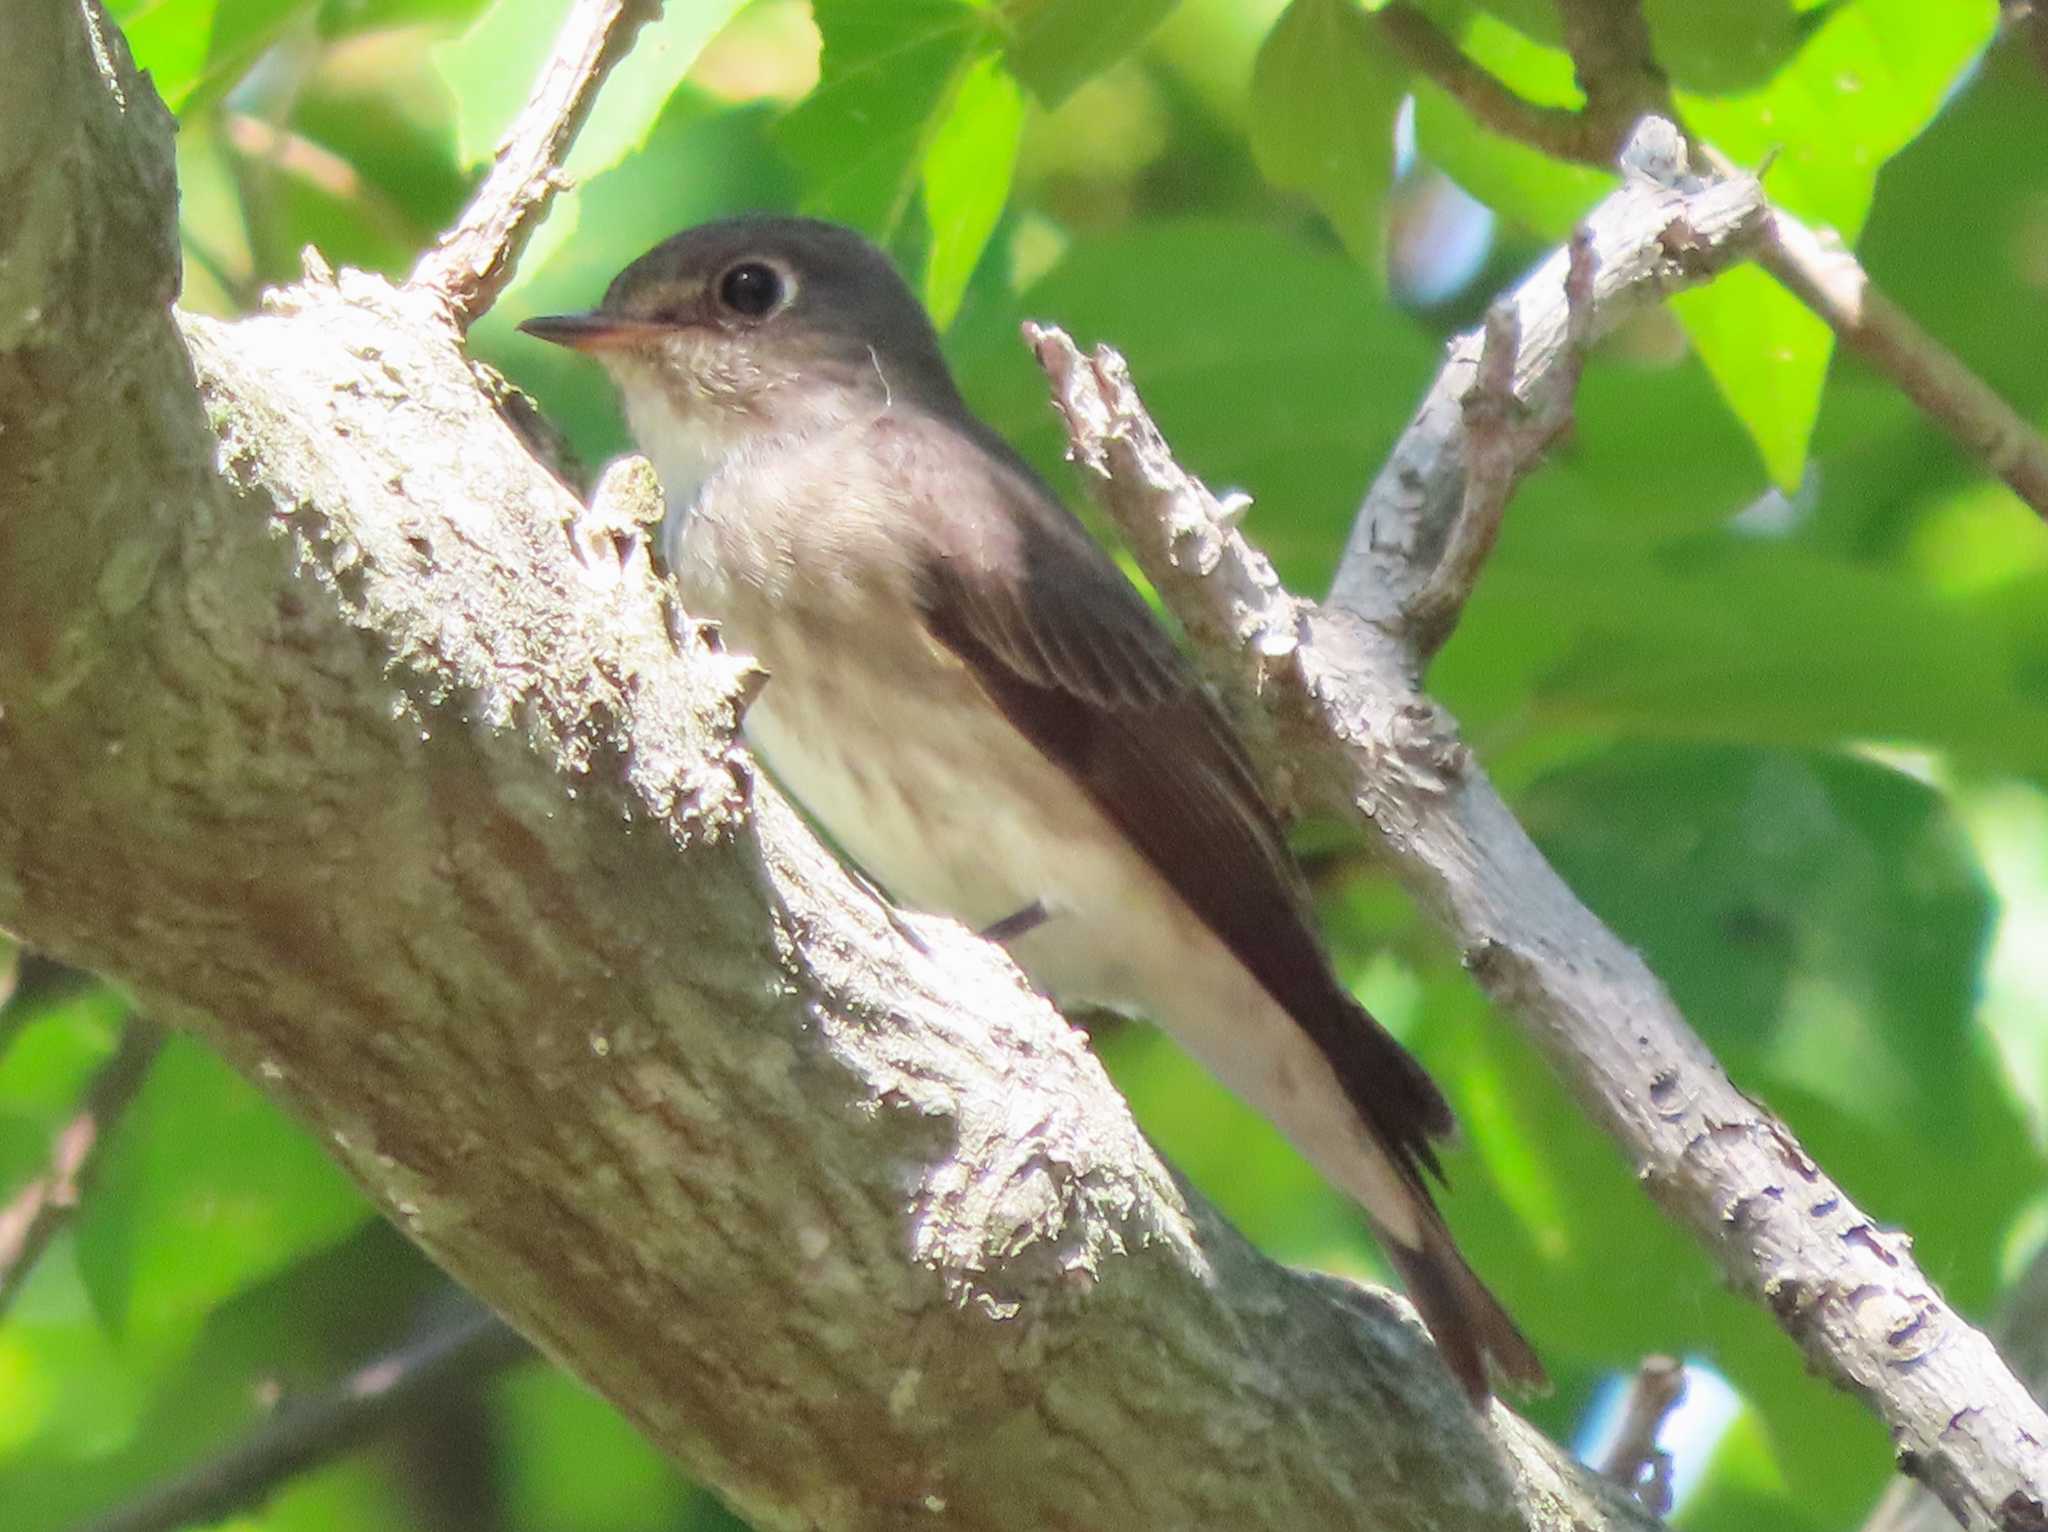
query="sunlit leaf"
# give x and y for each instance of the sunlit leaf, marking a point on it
(887, 74)
(1768, 355)
(1056, 44)
(967, 170)
(1324, 93)
(194, 46)
(1861, 84)
(492, 67)
(206, 1188)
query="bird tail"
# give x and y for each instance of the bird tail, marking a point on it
(1467, 1321)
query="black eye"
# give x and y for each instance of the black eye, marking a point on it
(751, 288)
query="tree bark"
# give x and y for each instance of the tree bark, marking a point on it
(335, 729)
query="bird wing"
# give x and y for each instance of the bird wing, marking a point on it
(1079, 665)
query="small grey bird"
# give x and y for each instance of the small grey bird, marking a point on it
(972, 700)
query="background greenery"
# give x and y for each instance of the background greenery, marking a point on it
(1761, 659)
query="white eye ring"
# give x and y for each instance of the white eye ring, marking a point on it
(752, 288)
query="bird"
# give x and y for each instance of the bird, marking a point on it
(972, 700)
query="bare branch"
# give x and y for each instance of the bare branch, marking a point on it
(1644, 241)
(1844, 1287)
(2021, 1331)
(1502, 445)
(35, 1214)
(473, 261)
(1622, 81)
(1558, 130)
(409, 1382)
(1635, 1459)
(1831, 282)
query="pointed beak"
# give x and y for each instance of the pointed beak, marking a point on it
(592, 330)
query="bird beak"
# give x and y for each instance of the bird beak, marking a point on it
(592, 330)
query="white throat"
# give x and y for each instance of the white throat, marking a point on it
(692, 442)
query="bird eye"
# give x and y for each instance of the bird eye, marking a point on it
(751, 288)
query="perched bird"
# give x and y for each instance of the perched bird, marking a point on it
(973, 701)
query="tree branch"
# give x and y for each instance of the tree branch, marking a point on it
(1341, 682)
(343, 736)
(1830, 281)
(1560, 130)
(1611, 51)
(1503, 443)
(473, 261)
(35, 1214)
(2022, 1334)
(305, 1433)
(1635, 1459)
(1647, 240)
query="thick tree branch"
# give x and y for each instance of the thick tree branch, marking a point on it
(473, 261)
(339, 733)
(1342, 683)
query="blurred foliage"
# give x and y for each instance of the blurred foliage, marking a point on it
(1761, 658)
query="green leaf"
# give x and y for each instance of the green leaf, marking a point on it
(1768, 356)
(190, 46)
(1523, 185)
(1808, 910)
(1859, 87)
(1732, 638)
(1057, 44)
(346, 18)
(491, 68)
(967, 171)
(572, 1463)
(1324, 94)
(887, 76)
(206, 1189)
(1292, 384)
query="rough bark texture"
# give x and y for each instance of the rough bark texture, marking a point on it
(329, 726)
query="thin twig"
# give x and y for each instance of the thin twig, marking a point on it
(1644, 241)
(1494, 427)
(1829, 281)
(308, 1432)
(1558, 130)
(1503, 444)
(34, 1215)
(1635, 1459)
(473, 261)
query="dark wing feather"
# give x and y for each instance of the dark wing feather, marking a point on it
(1079, 665)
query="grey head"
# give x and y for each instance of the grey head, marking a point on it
(760, 316)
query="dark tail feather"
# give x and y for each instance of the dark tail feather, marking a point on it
(1468, 1322)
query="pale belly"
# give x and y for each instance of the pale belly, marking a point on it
(911, 770)
(893, 750)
